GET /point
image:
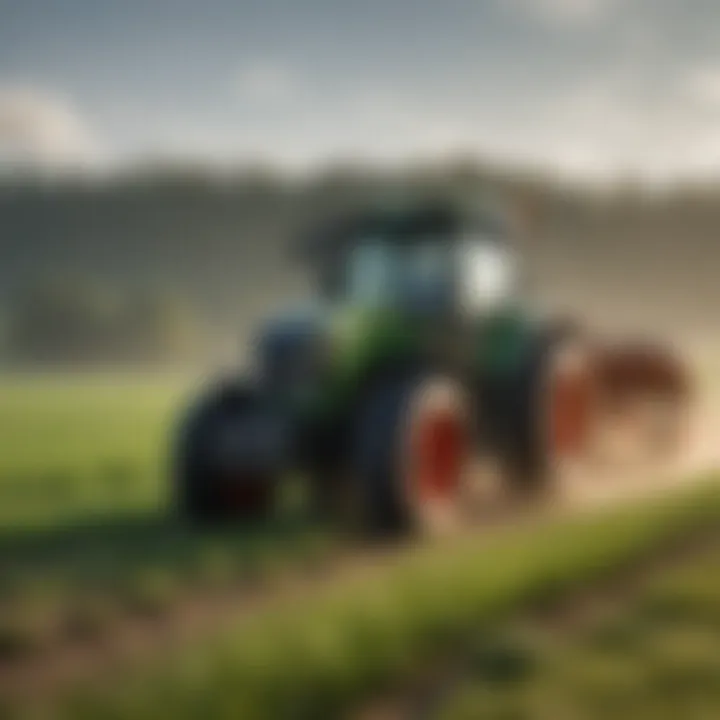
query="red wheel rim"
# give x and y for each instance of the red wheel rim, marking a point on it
(439, 450)
(571, 402)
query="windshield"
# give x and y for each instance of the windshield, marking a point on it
(479, 273)
(427, 275)
(418, 274)
(371, 272)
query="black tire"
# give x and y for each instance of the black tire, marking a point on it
(323, 456)
(377, 477)
(529, 462)
(204, 491)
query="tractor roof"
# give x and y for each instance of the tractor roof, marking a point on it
(405, 223)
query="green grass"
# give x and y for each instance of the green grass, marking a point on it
(77, 446)
(658, 658)
(318, 658)
(85, 535)
(85, 532)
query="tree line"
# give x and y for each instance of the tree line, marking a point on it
(78, 321)
(86, 265)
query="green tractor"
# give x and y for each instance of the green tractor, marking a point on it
(419, 354)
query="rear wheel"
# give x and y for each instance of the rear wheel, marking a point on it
(556, 411)
(411, 454)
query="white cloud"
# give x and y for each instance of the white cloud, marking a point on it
(600, 128)
(610, 129)
(387, 123)
(41, 130)
(266, 82)
(561, 12)
(702, 85)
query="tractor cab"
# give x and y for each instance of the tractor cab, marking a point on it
(433, 260)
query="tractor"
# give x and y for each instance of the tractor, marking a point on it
(420, 352)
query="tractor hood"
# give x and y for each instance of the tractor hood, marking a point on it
(291, 350)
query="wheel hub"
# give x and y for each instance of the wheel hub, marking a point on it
(440, 448)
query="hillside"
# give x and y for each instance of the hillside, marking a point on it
(620, 258)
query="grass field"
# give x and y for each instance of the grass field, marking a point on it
(85, 529)
(85, 537)
(657, 658)
(343, 645)
(74, 447)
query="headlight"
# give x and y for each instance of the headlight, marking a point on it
(488, 275)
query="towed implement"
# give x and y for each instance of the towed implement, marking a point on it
(419, 352)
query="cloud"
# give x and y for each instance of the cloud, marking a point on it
(42, 130)
(702, 85)
(561, 13)
(610, 129)
(267, 83)
(602, 127)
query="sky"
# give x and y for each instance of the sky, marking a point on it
(593, 88)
